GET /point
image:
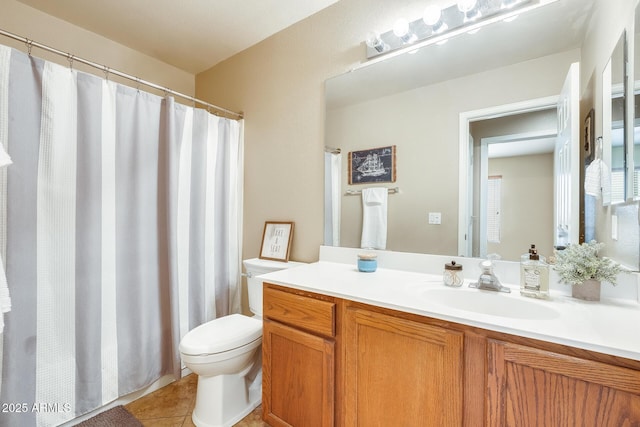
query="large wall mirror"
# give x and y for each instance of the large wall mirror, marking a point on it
(415, 101)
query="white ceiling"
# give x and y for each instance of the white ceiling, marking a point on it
(522, 147)
(193, 35)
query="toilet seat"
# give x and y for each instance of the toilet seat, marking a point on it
(221, 335)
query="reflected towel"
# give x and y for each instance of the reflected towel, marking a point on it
(597, 179)
(374, 218)
(5, 160)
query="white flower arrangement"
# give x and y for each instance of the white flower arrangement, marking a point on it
(578, 263)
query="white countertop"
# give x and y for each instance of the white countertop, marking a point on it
(611, 326)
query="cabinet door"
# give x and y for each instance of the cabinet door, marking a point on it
(532, 387)
(298, 377)
(399, 372)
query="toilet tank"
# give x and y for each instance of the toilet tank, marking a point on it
(255, 267)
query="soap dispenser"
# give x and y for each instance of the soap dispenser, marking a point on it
(534, 276)
(532, 249)
(525, 257)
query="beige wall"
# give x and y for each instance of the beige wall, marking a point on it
(28, 22)
(527, 185)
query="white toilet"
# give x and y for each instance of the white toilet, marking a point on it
(223, 353)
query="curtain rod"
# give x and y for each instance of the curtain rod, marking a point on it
(107, 70)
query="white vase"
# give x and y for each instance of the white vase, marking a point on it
(589, 290)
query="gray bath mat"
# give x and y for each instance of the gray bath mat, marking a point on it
(117, 416)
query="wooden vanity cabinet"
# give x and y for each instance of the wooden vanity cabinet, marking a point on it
(329, 361)
(534, 387)
(400, 372)
(298, 358)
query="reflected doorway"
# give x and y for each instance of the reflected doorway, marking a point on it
(512, 183)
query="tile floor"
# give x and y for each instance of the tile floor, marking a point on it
(171, 406)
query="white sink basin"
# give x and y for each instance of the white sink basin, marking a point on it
(490, 303)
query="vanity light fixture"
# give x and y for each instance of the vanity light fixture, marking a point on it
(437, 25)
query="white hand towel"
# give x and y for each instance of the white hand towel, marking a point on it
(5, 160)
(597, 179)
(374, 218)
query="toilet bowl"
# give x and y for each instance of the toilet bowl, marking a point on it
(225, 353)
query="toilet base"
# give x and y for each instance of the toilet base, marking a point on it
(223, 400)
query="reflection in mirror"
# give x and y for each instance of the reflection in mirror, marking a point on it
(513, 184)
(613, 123)
(415, 101)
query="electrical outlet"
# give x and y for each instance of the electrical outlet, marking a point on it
(435, 218)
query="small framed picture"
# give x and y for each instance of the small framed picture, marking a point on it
(276, 240)
(372, 165)
(588, 134)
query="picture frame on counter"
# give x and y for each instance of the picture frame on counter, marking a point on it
(276, 240)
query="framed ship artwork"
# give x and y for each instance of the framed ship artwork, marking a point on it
(372, 165)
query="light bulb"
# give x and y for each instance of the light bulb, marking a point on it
(433, 17)
(401, 27)
(372, 39)
(470, 9)
(465, 6)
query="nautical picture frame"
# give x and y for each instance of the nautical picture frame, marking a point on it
(276, 240)
(589, 137)
(372, 165)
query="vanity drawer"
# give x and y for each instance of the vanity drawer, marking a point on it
(300, 311)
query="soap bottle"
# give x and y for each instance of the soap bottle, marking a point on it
(534, 276)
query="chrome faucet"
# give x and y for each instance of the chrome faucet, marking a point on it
(487, 280)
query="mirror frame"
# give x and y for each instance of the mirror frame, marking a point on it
(608, 95)
(633, 54)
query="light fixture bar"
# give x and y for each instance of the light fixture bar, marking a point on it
(491, 11)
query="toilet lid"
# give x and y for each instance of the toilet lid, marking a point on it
(221, 334)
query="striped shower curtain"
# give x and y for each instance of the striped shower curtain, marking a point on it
(121, 232)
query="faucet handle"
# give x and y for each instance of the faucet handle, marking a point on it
(488, 280)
